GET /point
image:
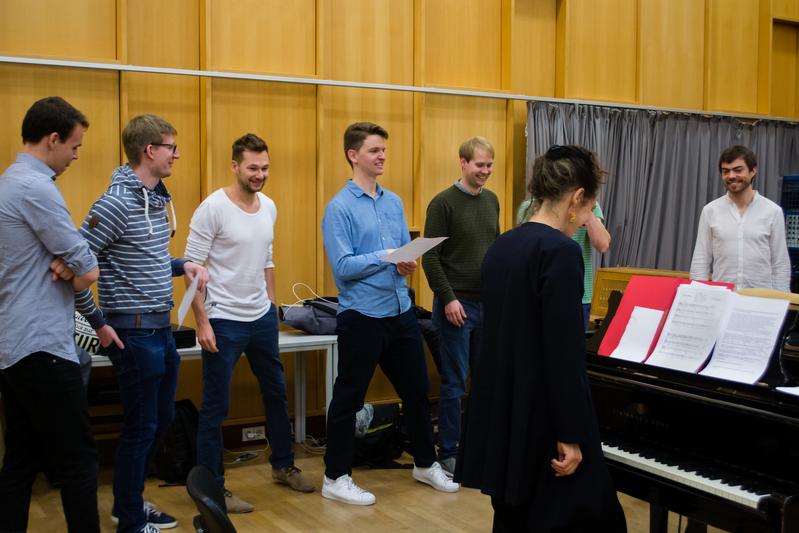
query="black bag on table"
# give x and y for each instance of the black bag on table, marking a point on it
(316, 316)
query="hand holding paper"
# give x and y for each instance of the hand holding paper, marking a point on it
(413, 249)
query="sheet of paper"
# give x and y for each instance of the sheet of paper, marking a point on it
(638, 335)
(789, 390)
(692, 327)
(747, 338)
(185, 303)
(413, 249)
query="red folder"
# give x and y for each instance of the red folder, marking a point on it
(653, 292)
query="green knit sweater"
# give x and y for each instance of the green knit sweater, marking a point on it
(472, 223)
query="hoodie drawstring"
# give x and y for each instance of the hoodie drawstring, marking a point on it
(174, 220)
(147, 213)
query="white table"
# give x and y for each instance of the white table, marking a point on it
(295, 342)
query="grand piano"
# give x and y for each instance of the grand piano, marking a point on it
(717, 452)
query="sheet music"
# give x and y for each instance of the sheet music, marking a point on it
(692, 327)
(747, 338)
(413, 249)
(185, 303)
(638, 335)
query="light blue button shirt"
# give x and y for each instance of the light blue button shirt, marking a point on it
(36, 313)
(357, 230)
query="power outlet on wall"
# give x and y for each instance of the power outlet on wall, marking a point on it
(253, 433)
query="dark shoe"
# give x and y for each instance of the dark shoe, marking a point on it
(292, 476)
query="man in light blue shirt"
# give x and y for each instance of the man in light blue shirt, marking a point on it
(43, 261)
(376, 325)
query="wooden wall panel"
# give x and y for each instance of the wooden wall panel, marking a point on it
(163, 34)
(176, 99)
(285, 117)
(272, 36)
(461, 43)
(533, 38)
(672, 53)
(95, 94)
(597, 57)
(732, 62)
(375, 46)
(78, 29)
(533, 28)
(786, 9)
(448, 121)
(784, 71)
(338, 108)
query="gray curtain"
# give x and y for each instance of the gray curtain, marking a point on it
(662, 169)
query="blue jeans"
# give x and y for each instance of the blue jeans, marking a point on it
(259, 341)
(460, 349)
(147, 370)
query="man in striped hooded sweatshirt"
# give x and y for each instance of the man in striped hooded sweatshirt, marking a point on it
(128, 229)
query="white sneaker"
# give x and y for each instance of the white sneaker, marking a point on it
(436, 477)
(345, 490)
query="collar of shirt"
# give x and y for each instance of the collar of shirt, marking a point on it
(37, 164)
(460, 187)
(355, 189)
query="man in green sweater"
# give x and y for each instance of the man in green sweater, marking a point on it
(469, 215)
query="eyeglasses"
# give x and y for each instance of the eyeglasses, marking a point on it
(173, 147)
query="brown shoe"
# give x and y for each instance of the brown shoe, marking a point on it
(292, 476)
(234, 504)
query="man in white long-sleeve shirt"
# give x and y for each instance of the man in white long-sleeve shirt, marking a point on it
(741, 236)
(232, 232)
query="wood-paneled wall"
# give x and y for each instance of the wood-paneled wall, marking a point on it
(721, 55)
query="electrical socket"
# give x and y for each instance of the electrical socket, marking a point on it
(253, 433)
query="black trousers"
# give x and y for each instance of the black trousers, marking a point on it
(395, 343)
(47, 426)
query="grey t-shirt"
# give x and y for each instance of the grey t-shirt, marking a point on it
(36, 313)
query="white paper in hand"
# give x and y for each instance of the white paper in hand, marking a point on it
(185, 303)
(413, 249)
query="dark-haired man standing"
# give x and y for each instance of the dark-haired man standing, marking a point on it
(741, 236)
(232, 232)
(43, 261)
(376, 325)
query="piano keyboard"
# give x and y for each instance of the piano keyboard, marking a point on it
(727, 490)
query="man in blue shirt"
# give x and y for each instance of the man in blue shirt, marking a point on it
(43, 261)
(376, 325)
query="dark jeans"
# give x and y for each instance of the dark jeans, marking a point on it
(586, 315)
(395, 343)
(459, 348)
(47, 426)
(147, 370)
(259, 341)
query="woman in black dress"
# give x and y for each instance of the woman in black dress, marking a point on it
(531, 439)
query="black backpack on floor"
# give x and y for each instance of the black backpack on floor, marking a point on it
(383, 442)
(176, 454)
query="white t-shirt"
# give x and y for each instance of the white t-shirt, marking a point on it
(236, 247)
(748, 250)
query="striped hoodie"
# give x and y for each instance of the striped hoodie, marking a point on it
(128, 230)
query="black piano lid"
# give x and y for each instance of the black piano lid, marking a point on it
(758, 400)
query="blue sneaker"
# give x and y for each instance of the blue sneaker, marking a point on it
(154, 517)
(157, 518)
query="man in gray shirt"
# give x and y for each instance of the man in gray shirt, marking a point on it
(43, 261)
